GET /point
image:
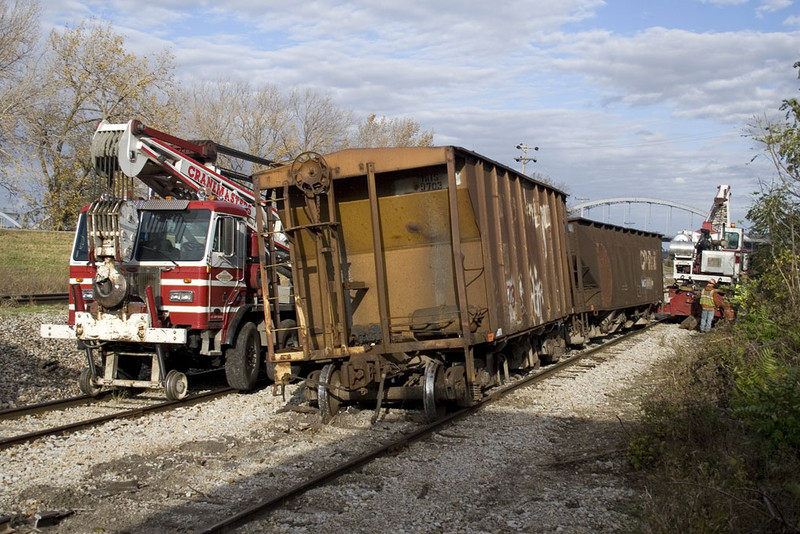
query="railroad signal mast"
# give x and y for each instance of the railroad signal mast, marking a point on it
(173, 280)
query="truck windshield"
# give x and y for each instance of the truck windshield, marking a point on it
(733, 240)
(173, 235)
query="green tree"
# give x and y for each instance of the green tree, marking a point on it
(776, 212)
(89, 76)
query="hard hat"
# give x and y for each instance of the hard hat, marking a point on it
(712, 282)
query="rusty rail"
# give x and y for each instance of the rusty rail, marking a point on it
(63, 429)
(43, 298)
(259, 509)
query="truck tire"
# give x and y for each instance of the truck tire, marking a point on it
(242, 359)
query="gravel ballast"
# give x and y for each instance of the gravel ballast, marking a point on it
(544, 459)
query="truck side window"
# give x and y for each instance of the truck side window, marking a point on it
(80, 251)
(225, 236)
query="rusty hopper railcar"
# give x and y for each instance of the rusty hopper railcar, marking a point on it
(617, 277)
(420, 273)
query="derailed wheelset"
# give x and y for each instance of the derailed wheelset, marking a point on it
(429, 385)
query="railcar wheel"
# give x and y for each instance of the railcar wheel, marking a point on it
(176, 385)
(328, 395)
(242, 360)
(311, 390)
(85, 383)
(433, 388)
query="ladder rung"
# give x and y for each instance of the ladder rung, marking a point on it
(280, 297)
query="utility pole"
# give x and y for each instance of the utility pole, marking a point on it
(524, 158)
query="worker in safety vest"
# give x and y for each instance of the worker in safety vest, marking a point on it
(708, 306)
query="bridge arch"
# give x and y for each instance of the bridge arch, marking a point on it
(581, 208)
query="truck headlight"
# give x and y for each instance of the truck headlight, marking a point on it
(87, 294)
(181, 296)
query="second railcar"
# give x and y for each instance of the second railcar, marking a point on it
(617, 277)
(419, 273)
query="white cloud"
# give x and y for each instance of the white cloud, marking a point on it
(771, 6)
(655, 113)
(724, 76)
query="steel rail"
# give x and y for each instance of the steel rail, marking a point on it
(43, 298)
(250, 514)
(49, 406)
(69, 402)
(63, 429)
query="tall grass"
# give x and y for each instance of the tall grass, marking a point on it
(720, 440)
(34, 262)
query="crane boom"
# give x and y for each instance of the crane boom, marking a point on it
(170, 166)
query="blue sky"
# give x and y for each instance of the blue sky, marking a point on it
(623, 97)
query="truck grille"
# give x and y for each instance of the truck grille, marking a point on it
(140, 280)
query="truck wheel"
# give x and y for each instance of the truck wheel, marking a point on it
(176, 385)
(86, 385)
(241, 360)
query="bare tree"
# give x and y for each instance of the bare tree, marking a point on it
(266, 123)
(209, 111)
(319, 124)
(263, 120)
(19, 30)
(89, 76)
(254, 120)
(382, 132)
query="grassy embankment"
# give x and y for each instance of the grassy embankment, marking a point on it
(33, 262)
(719, 442)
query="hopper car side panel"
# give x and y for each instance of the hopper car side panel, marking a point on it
(615, 270)
(436, 252)
(512, 258)
(523, 277)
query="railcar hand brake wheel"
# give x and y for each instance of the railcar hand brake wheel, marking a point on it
(311, 174)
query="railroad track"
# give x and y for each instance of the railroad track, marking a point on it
(48, 406)
(44, 298)
(588, 358)
(124, 412)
